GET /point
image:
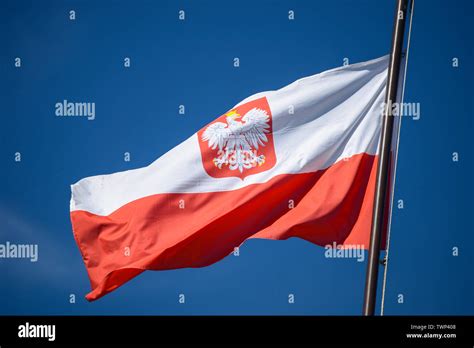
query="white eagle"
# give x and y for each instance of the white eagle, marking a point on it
(238, 142)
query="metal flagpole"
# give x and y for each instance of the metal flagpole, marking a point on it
(383, 168)
(396, 142)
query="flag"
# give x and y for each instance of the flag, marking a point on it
(295, 162)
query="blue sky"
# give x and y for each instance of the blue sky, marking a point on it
(191, 63)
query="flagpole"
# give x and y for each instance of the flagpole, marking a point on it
(383, 168)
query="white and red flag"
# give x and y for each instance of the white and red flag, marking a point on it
(296, 162)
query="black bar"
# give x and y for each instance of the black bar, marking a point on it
(158, 331)
(383, 169)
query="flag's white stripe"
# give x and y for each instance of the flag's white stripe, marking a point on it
(336, 115)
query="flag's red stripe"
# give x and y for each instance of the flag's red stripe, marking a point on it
(176, 230)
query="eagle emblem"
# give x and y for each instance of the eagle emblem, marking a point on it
(240, 142)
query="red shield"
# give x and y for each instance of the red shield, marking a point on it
(240, 142)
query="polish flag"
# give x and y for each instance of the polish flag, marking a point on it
(296, 162)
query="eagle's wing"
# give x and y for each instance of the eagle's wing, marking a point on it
(217, 134)
(255, 127)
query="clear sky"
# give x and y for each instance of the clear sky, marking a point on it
(190, 62)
